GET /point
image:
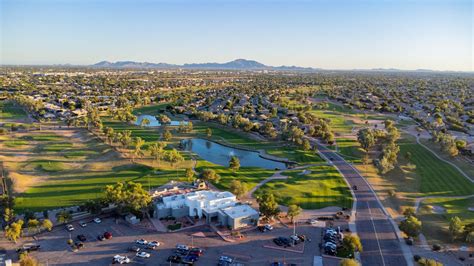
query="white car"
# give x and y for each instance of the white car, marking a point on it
(268, 227)
(141, 241)
(83, 224)
(153, 244)
(69, 227)
(143, 254)
(97, 220)
(121, 259)
(182, 247)
(226, 259)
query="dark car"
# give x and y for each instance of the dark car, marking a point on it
(174, 259)
(278, 242)
(190, 257)
(101, 237)
(134, 248)
(108, 235)
(196, 251)
(28, 248)
(81, 237)
(79, 245)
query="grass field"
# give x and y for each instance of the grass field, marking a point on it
(436, 225)
(10, 111)
(65, 168)
(424, 175)
(323, 187)
(248, 175)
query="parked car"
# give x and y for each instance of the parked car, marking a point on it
(226, 259)
(28, 248)
(182, 247)
(101, 237)
(174, 259)
(82, 224)
(97, 220)
(295, 239)
(143, 254)
(153, 244)
(190, 257)
(409, 241)
(268, 227)
(141, 241)
(81, 238)
(120, 259)
(278, 242)
(79, 245)
(108, 235)
(134, 249)
(312, 221)
(196, 251)
(69, 227)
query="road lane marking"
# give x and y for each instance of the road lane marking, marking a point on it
(375, 231)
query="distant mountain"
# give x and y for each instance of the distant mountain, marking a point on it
(238, 64)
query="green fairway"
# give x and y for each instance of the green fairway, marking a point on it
(9, 110)
(153, 109)
(436, 178)
(249, 175)
(436, 225)
(323, 187)
(72, 189)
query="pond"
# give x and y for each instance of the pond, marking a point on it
(154, 122)
(220, 154)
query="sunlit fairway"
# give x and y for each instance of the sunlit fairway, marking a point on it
(323, 187)
(9, 111)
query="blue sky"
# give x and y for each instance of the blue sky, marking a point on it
(328, 34)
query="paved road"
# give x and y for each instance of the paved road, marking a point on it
(378, 236)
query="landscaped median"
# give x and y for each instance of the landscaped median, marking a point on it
(313, 188)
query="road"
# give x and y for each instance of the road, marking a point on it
(378, 236)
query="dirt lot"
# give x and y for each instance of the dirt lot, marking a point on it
(249, 251)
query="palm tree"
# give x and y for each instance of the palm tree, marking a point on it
(145, 122)
(156, 150)
(126, 138)
(139, 142)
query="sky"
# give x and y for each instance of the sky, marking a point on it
(330, 34)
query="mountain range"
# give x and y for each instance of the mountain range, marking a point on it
(238, 64)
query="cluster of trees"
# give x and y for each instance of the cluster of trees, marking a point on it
(390, 149)
(185, 127)
(128, 196)
(14, 227)
(458, 230)
(123, 114)
(411, 226)
(448, 143)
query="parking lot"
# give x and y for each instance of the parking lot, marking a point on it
(253, 249)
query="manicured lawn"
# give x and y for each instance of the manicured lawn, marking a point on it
(11, 143)
(437, 178)
(436, 225)
(323, 187)
(46, 165)
(8, 110)
(249, 175)
(295, 154)
(150, 109)
(72, 189)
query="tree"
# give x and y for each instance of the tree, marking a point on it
(411, 226)
(129, 195)
(210, 175)
(189, 174)
(352, 243)
(349, 262)
(173, 156)
(139, 142)
(27, 260)
(208, 132)
(8, 215)
(238, 188)
(156, 150)
(456, 228)
(429, 262)
(63, 216)
(145, 122)
(366, 138)
(293, 211)
(47, 224)
(126, 138)
(409, 211)
(13, 231)
(167, 135)
(33, 225)
(306, 145)
(234, 163)
(267, 205)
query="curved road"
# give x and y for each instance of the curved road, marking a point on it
(378, 235)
